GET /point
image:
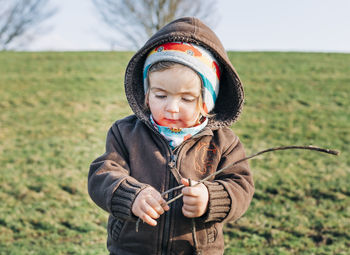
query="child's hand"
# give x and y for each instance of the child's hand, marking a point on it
(149, 205)
(195, 199)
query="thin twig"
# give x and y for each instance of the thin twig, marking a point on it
(194, 237)
(173, 189)
(137, 224)
(313, 148)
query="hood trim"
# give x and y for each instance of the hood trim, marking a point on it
(229, 103)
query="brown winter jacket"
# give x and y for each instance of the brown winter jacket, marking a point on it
(137, 156)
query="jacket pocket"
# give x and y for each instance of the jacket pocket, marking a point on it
(116, 228)
(212, 232)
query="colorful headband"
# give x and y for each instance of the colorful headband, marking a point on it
(193, 56)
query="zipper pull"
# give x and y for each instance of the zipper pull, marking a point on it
(172, 162)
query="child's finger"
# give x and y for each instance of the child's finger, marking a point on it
(189, 212)
(147, 219)
(164, 205)
(190, 208)
(148, 209)
(187, 183)
(191, 191)
(189, 200)
(155, 205)
(161, 201)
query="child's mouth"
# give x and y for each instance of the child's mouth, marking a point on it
(171, 120)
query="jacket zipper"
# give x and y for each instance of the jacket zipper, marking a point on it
(166, 230)
(171, 179)
(171, 163)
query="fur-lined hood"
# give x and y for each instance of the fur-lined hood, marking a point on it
(230, 100)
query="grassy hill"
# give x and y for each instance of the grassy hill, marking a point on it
(55, 110)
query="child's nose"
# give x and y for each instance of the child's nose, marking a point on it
(172, 106)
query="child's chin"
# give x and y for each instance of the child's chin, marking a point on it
(173, 126)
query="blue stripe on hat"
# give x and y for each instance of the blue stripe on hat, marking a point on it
(207, 84)
(145, 71)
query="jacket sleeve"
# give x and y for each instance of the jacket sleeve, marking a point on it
(110, 185)
(232, 190)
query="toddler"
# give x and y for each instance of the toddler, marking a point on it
(185, 94)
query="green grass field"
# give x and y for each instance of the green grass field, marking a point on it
(55, 110)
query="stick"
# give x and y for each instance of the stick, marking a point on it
(313, 148)
(194, 237)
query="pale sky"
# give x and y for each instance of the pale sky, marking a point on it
(245, 25)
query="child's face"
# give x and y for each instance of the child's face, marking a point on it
(173, 97)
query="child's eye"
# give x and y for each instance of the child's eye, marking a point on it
(160, 96)
(188, 99)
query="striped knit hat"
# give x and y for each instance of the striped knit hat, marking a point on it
(193, 56)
